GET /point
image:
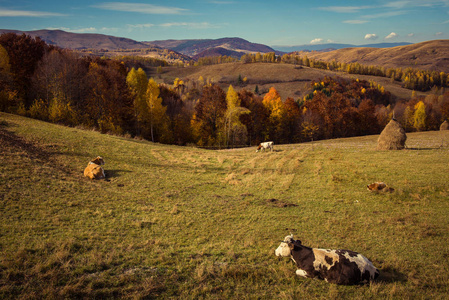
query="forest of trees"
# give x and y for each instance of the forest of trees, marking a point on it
(413, 79)
(116, 96)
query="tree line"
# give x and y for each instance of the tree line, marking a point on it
(116, 96)
(411, 78)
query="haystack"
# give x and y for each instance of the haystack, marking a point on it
(393, 137)
(444, 125)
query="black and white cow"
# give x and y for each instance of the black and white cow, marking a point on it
(334, 266)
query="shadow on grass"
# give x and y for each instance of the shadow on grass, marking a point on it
(418, 149)
(391, 275)
(114, 173)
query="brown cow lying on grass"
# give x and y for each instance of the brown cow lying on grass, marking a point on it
(379, 187)
(94, 169)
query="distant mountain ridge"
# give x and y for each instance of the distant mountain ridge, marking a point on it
(81, 41)
(195, 47)
(429, 55)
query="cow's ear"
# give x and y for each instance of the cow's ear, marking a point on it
(294, 246)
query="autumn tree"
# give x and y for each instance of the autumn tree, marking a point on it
(138, 84)
(109, 103)
(257, 119)
(24, 53)
(208, 120)
(367, 121)
(292, 121)
(272, 101)
(7, 96)
(420, 116)
(59, 82)
(235, 131)
(179, 115)
(155, 114)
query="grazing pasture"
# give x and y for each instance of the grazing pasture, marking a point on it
(184, 222)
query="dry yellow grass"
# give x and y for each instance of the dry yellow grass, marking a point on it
(179, 222)
(430, 55)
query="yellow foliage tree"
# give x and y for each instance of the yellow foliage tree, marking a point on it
(138, 83)
(420, 116)
(234, 129)
(155, 110)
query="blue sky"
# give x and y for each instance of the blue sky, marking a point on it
(272, 22)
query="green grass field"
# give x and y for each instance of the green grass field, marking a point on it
(200, 224)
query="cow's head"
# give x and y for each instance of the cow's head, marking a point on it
(98, 161)
(286, 246)
(259, 147)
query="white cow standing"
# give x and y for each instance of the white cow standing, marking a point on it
(264, 146)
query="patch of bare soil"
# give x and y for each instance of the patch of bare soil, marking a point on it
(279, 203)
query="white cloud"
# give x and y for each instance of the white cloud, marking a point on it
(397, 4)
(385, 14)
(84, 30)
(141, 8)
(139, 26)
(316, 41)
(438, 33)
(411, 34)
(416, 3)
(371, 36)
(203, 25)
(221, 2)
(355, 21)
(26, 13)
(344, 9)
(391, 36)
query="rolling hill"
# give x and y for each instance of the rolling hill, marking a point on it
(430, 55)
(196, 47)
(80, 41)
(334, 46)
(289, 81)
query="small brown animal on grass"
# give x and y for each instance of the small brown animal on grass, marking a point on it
(381, 187)
(94, 169)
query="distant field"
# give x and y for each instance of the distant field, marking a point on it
(290, 81)
(184, 222)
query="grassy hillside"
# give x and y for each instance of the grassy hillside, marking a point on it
(191, 223)
(430, 55)
(290, 81)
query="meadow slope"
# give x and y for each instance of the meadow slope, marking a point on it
(199, 224)
(429, 55)
(291, 81)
